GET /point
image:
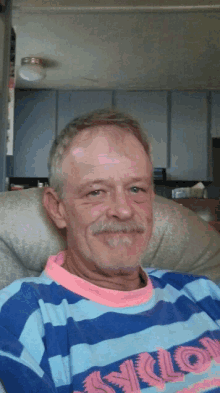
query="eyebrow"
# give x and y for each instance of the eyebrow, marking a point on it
(82, 186)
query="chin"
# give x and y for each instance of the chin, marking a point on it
(119, 267)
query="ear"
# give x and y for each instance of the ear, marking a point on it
(54, 207)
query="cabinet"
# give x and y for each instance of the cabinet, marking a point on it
(41, 114)
(34, 131)
(150, 109)
(215, 114)
(72, 104)
(190, 141)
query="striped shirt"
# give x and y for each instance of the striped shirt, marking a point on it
(60, 333)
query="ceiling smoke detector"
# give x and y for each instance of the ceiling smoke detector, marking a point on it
(32, 69)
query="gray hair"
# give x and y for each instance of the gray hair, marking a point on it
(64, 140)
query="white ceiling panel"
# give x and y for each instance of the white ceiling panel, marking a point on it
(124, 5)
(120, 50)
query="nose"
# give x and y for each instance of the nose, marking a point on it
(120, 206)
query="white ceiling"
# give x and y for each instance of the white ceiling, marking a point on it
(120, 44)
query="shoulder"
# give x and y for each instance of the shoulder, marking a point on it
(177, 279)
(25, 288)
(189, 284)
(21, 299)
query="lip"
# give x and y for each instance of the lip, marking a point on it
(118, 234)
(118, 238)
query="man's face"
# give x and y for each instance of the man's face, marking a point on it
(108, 198)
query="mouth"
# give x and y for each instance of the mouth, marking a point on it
(118, 238)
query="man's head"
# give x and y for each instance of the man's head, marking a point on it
(63, 142)
(103, 190)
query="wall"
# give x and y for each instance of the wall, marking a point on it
(5, 34)
(2, 36)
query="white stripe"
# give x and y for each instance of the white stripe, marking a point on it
(88, 310)
(60, 369)
(31, 336)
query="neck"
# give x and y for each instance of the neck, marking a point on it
(118, 279)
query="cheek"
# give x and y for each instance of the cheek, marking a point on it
(74, 218)
(91, 213)
(96, 211)
(145, 209)
(85, 215)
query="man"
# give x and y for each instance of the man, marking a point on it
(95, 320)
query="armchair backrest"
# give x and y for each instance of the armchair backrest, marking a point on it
(181, 240)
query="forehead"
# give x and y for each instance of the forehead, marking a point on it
(97, 150)
(106, 139)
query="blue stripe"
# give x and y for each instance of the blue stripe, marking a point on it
(156, 273)
(6, 340)
(166, 336)
(116, 323)
(86, 309)
(7, 293)
(58, 340)
(21, 305)
(26, 301)
(54, 293)
(25, 359)
(14, 381)
(211, 307)
(115, 326)
(44, 364)
(177, 280)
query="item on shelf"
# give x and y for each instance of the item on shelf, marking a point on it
(16, 187)
(181, 193)
(40, 185)
(197, 191)
(6, 184)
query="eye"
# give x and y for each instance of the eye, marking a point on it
(138, 189)
(95, 193)
(139, 195)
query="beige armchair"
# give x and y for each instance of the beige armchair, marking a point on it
(181, 240)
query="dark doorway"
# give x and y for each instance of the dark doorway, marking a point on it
(216, 161)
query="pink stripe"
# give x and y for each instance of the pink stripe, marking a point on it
(201, 387)
(107, 297)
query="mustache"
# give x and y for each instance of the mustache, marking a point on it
(114, 227)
